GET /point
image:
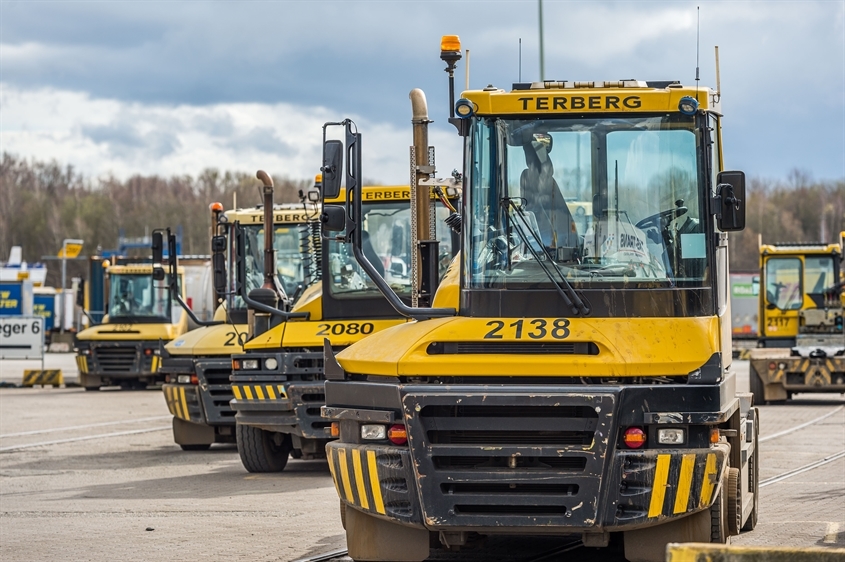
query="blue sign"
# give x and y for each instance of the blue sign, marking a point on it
(11, 299)
(45, 306)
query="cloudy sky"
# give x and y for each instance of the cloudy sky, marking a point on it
(173, 87)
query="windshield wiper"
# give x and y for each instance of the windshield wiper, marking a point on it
(577, 303)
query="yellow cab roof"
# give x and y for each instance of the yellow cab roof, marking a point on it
(287, 213)
(373, 193)
(798, 249)
(134, 269)
(555, 97)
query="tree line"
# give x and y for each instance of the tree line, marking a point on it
(42, 203)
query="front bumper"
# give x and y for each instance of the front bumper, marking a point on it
(211, 394)
(532, 459)
(280, 400)
(800, 374)
(116, 361)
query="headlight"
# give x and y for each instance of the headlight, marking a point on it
(373, 432)
(271, 364)
(249, 364)
(183, 379)
(671, 436)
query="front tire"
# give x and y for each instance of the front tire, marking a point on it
(262, 451)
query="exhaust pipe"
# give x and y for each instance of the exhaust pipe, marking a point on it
(424, 246)
(259, 320)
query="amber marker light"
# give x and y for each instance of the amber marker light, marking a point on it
(397, 434)
(236, 365)
(714, 435)
(450, 43)
(335, 429)
(216, 207)
(634, 437)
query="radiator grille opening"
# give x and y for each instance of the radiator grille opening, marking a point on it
(115, 359)
(511, 509)
(574, 464)
(509, 412)
(524, 438)
(516, 348)
(506, 488)
(313, 397)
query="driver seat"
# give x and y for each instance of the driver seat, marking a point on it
(542, 196)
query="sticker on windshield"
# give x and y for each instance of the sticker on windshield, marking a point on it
(693, 246)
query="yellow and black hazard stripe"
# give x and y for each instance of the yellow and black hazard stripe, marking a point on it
(177, 401)
(82, 364)
(252, 392)
(155, 364)
(51, 377)
(683, 483)
(817, 372)
(359, 484)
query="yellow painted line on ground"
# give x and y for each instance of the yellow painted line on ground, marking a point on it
(248, 393)
(707, 481)
(658, 491)
(237, 392)
(684, 483)
(359, 478)
(375, 486)
(259, 392)
(344, 474)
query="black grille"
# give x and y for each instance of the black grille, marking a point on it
(522, 438)
(513, 348)
(574, 464)
(217, 392)
(529, 510)
(485, 489)
(509, 453)
(116, 359)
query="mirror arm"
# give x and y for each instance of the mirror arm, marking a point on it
(393, 298)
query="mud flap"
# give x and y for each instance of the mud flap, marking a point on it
(649, 544)
(187, 433)
(372, 539)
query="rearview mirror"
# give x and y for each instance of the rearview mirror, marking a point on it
(333, 218)
(731, 193)
(158, 256)
(218, 264)
(80, 293)
(332, 168)
(218, 244)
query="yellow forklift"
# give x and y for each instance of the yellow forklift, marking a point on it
(561, 380)
(197, 365)
(278, 380)
(802, 342)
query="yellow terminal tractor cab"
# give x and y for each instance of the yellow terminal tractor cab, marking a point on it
(802, 342)
(124, 349)
(278, 380)
(197, 365)
(564, 380)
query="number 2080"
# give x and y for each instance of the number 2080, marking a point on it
(535, 329)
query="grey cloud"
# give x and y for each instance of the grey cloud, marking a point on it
(262, 139)
(124, 141)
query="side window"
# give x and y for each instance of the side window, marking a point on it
(783, 283)
(818, 274)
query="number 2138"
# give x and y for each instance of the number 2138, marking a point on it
(535, 329)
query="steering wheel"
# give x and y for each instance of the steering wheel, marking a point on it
(661, 219)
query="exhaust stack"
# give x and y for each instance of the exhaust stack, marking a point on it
(267, 294)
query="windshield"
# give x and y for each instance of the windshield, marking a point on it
(598, 200)
(818, 274)
(783, 283)
(290, 268)
(386, 243)
(137, 296)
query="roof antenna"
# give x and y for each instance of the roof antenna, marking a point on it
(718, 95)
(697, 43)
(520, 60)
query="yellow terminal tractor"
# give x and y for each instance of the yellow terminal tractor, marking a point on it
(278, 380)
(802, 342)
(564, 379)
(124, 349)
(197, 365)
